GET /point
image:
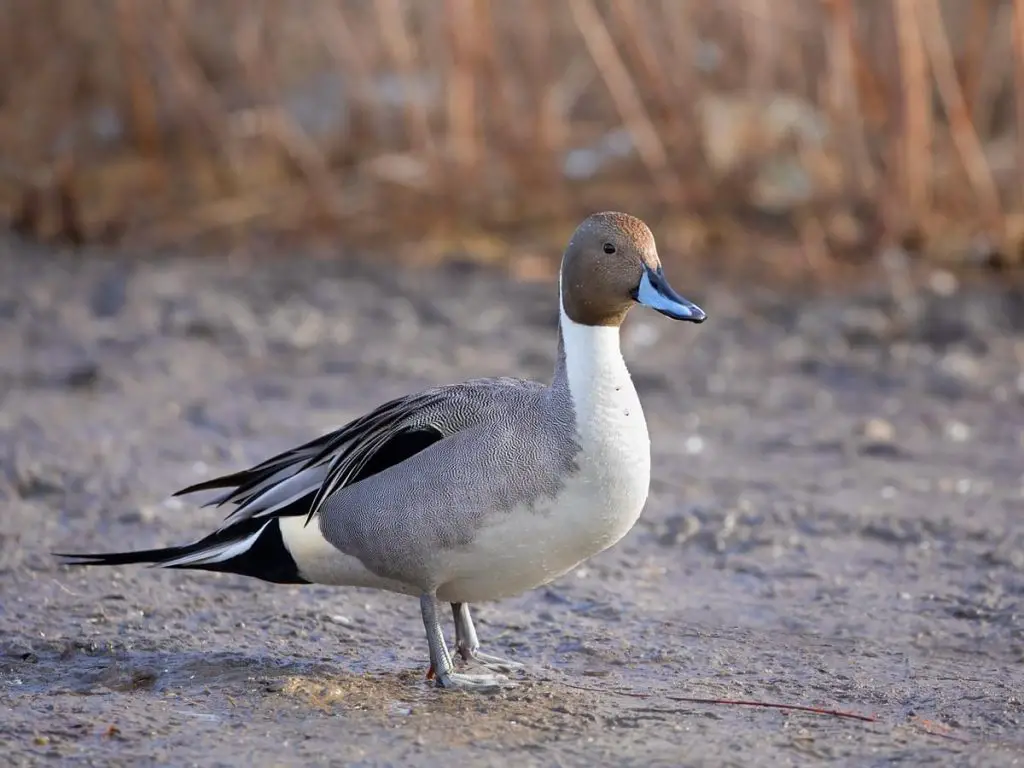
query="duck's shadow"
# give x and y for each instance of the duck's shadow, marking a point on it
(91, 671)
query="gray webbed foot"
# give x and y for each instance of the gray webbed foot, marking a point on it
(493, 663)
(468, 645)
(481, 683)
(441, 660)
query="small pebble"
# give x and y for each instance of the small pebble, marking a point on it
(943, 283)
(694, 445)
(879, 430)
(960, 365)
(958, 432)
(109, 295)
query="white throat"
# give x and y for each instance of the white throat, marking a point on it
(614, 462)
(605, 401)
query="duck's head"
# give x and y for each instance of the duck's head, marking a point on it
(611, 263)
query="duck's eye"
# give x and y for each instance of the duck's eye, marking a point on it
(609, 248)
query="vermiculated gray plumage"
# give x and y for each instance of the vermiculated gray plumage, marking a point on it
(519, 435)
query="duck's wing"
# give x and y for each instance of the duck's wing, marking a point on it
(297, 481)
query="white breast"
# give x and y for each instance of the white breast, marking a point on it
(598, 505)
(616, 455)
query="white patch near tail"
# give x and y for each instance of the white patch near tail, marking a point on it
(321, 562)
(218, 553)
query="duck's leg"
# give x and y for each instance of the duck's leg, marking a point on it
(468, 645)
(441, 659)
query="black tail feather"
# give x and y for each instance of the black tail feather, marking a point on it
(267, 559)
(234, 480)
(151, 556)
(165, 554)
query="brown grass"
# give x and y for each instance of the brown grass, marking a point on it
(855, 123)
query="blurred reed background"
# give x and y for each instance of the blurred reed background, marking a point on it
(848, 124)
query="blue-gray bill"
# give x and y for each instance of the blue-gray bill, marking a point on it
(655, 292)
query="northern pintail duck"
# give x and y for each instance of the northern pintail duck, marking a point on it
(469, 492)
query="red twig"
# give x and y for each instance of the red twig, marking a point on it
(775, 705)
(927, 726)
(736, 703)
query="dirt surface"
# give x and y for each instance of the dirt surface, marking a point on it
(836, 519)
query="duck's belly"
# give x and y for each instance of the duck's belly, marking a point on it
(526, 548)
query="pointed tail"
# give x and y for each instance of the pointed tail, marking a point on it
(254, 548)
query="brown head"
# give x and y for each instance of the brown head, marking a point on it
(610, 263)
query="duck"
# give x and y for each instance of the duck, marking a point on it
(467, 493)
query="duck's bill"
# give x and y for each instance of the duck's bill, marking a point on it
(655, 292)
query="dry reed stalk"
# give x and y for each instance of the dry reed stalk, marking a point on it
(195, 92)
(403, 55)
(874, 92)
(636, 27)
(844, 95)
(351, 62)
(202, 128)
(256, 47)
(678, 21)
(917, 128)
(797, 46)
(1018, 81)
(256, 54)
(623, 91)
(992, 78)
(463, 139)
(37, 129)
(681, 45)
(761, 35)
(968, 145)
(283, 207)
(141, 108)
(551, 132)
(296, 145)
(974, 53)
(510, 135)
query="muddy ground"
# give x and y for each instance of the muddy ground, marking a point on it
(836, 519)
